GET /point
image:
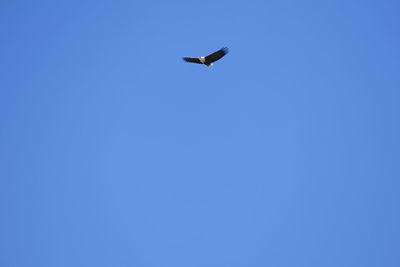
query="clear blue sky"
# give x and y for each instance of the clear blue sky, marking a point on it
(115, 152)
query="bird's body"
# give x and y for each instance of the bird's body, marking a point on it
(208, 60)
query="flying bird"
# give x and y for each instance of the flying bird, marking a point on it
(208, 60)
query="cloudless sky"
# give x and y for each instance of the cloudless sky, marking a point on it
(115, 152)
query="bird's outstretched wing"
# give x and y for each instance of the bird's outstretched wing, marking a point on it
(192, 60)
(217, 55)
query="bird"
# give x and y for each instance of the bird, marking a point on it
(208, 60)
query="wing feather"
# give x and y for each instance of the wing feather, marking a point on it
(217, 55)
(192, 60)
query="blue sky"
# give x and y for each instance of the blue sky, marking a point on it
(115, 152)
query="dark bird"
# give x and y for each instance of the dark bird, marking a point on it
(208, 60)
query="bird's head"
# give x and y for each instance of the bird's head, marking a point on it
(209, 65)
